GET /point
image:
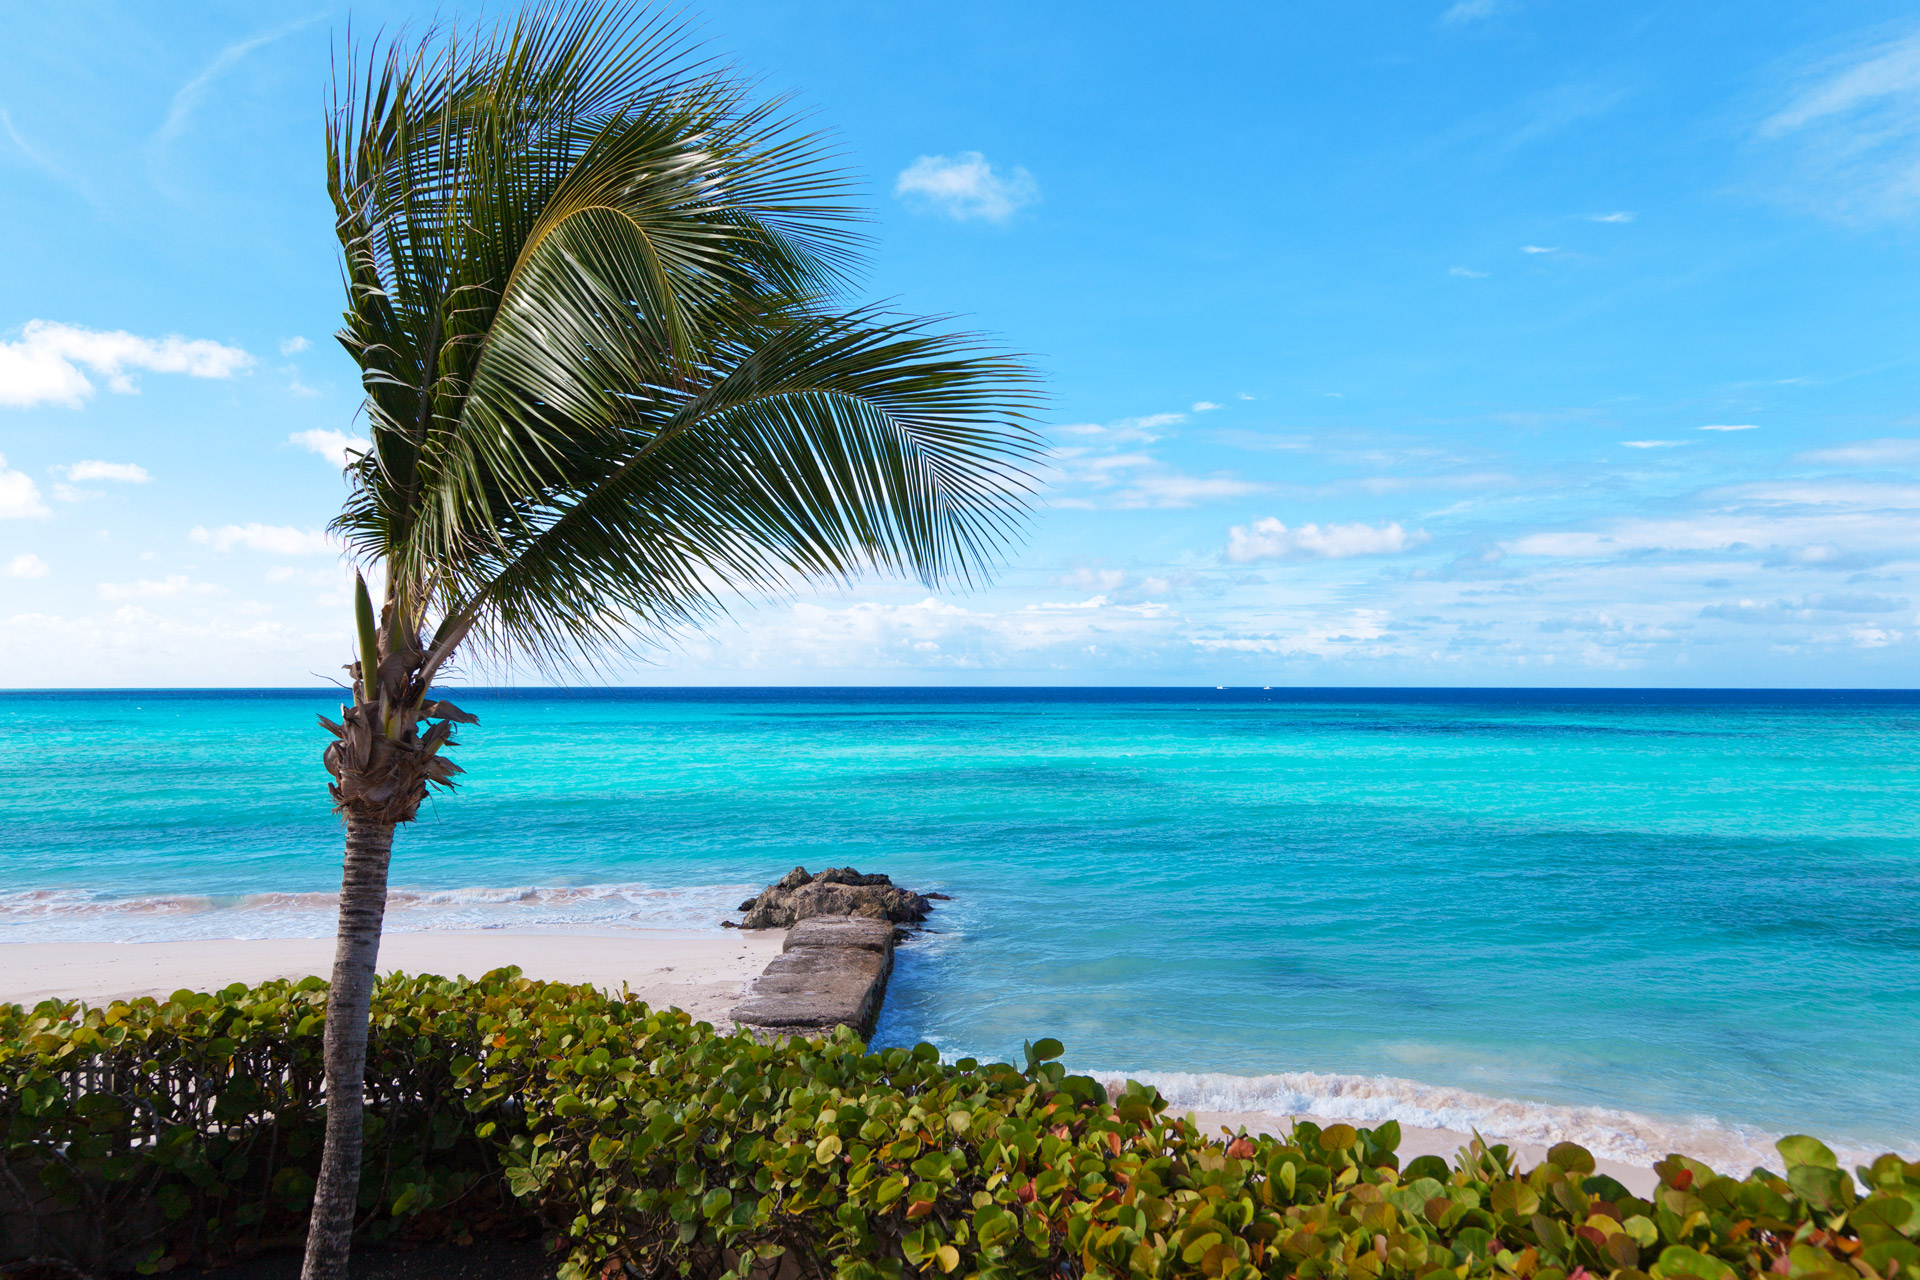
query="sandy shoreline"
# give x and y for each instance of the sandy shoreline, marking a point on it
(704, 973)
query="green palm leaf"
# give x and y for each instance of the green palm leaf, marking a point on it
(593, 294)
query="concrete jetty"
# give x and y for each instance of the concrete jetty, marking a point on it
(832, 972)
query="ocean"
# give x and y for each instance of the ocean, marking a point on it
(1648, 920)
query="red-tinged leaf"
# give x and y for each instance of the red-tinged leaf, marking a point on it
(919, 1209)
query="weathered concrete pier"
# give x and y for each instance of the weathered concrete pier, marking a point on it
(838, 955)
(832, 972)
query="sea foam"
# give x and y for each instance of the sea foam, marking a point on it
(1626, 1136)
(64, 915)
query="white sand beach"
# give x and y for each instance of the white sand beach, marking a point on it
(704, 973)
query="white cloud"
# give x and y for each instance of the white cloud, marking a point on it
(1869, 453)
(1467, 272)
(1653, 444)
(123, 472)
(1888, 71)
(291, 346)
(1093, 579)
(44, 365)
(1268, 539)
(19, 495)
(1858, 126)
(1539, 248)
(1124, 430)
(25, 565)
(1731, 426)
(188, 96)
(1837, 537)
(1206, 406)
(334, 446)
(280, 540)
(964, 186)
(1610, 217)
(1172, 488)
(1471, 11)
(174, 586)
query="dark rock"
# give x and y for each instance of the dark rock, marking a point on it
(843, 891)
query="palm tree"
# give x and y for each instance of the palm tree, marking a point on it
(594, 291)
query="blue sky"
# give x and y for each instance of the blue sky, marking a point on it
(1491, 342)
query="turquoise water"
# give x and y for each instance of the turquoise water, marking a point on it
(1514, 908)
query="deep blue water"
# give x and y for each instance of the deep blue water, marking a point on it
(1678, 903)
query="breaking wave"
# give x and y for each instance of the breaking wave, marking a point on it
(64, 915)
(1625, 1136)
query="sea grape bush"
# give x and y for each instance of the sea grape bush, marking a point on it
(153, 1132)
(649, 1144)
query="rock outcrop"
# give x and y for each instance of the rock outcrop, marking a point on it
(799, 896)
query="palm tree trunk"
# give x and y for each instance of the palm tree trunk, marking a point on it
(363, 905)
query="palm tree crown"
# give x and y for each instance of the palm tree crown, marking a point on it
(592, 288)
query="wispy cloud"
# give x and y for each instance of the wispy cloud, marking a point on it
(1731, 426)
(119, 472)
(336, 447)
(189, 95)
(1868, 453)
(1610, 217)
(172, 587)
(1269, 539)
(33, 155)
(1539, 248)
(294, 345)
(1169, 487)
(1471, 11)
(1856, 127)
(280, 540)
(19, 495)
(1206, 406)
(1142, 430)
(44, 365)
(25, 565)
(1468, 272)
(1843, 535)
(1802, 608)
(1653, 444)
(964, 186)
(1560, 109)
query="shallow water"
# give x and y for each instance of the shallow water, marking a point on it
(1696, 907)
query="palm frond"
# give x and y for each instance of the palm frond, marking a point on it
(834, 445)
(590, 289)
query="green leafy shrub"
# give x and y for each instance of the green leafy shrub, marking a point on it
(192, 1129)
(641, 1138)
